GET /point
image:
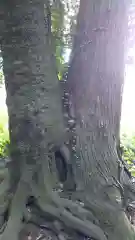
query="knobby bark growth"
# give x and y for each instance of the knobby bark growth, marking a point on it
(93, 205)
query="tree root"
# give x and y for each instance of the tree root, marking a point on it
(73, 215)
(14, 223)
(85, 227)
(69, 212)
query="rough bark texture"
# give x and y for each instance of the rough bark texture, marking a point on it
(95, 81)
(36, 126)
(32, 87)
(33, 100)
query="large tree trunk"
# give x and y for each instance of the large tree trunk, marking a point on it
(95, 82)
(33, 100)
(36, 121)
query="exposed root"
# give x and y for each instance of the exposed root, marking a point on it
(14, 223)
(84, 226)
(73, 215)
(70, 213)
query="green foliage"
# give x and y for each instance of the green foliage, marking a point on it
(57, 28)
(128, 146)
(4, 141)
(63, 23)
(1, 77)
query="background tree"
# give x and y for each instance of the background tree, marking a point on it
(95, 208)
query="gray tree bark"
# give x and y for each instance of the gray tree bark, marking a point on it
(95, 81)
(36, 125)
(33, 101)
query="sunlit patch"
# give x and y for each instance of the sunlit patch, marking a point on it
(128, 110)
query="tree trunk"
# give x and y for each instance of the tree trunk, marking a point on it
(33, 101)
(36, 121)
(95, 82)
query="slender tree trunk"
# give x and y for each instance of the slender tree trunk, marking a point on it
(95, 81)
